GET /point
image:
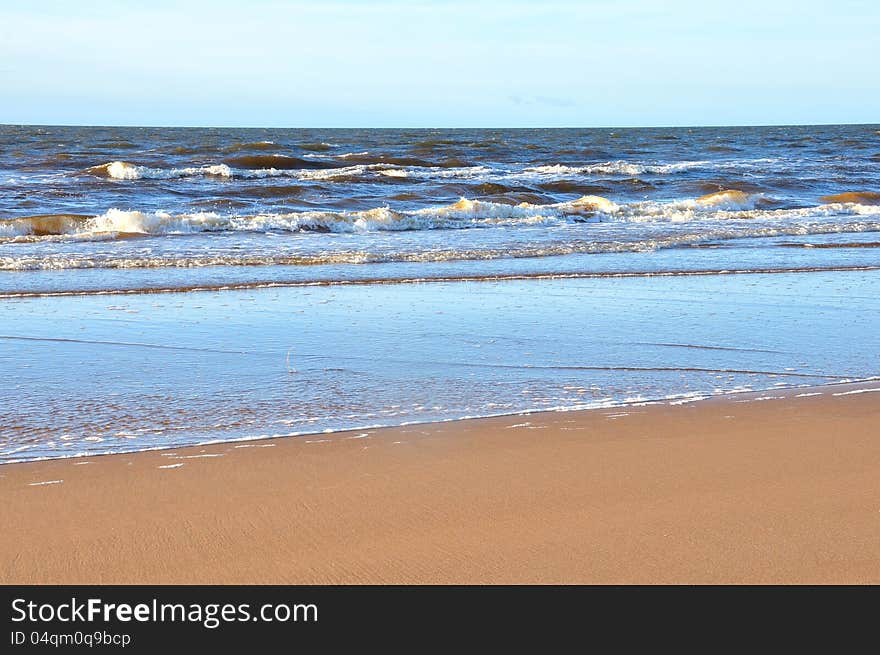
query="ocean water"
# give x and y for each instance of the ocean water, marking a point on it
(114, 209)
(567, 269)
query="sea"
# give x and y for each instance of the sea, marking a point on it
(169, 286)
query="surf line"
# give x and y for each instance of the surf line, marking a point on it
(501, 277)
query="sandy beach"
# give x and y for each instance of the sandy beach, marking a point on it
(772, 487)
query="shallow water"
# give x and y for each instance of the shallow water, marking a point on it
(92, 374)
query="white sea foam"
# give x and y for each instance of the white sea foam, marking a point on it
(120, 170)
(612, 168)
(850, 393)
(717, 217)
(716, 208)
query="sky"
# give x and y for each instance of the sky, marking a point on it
(392, 63)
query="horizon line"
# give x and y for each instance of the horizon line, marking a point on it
(440, 127)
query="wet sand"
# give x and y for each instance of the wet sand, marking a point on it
(773, 487)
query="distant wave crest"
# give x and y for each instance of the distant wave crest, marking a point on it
(350, 166)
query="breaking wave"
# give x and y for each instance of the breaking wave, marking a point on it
(614, 168)
(464, 213)
(858, 197)
(120, 170)
(709, 210)
(350, 166)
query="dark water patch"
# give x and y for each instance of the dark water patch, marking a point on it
(192, 150)
(791, 183)
(347, 203)
(572, 186)
(218, 204)
(407, 196)
(392, 179)
(368, 159)
(486, 188)
(63, 161)
(719, 185)
(356, 178)
(453, 190)
(515, 198)
(487, 144)
(315, 147)
(597, 154)
(631, 184)
(120, 144)
(253, 146)
(61, 193)
(428, 146)
(276, 191)
(278, 162)
(453, 162)
(27, 203)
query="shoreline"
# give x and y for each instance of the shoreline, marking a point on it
(729, 489)
(360, 282)
(681, 399)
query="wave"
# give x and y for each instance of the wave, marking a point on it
(634, 168)
(729, 199)
(120, 170)
(249, 165)
(265, 167)
(316, 147)
(701, 222)
(573, 186)
(350, 167)
(41, 225)
(858, 197)
(728, 205)
(278, 162)
(614, 168)
(265, 146)
(368, 158)
(464, 213)
(429, 256)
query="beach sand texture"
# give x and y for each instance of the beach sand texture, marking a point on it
(771, 487)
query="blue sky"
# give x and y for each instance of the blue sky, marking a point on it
(437, 64)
